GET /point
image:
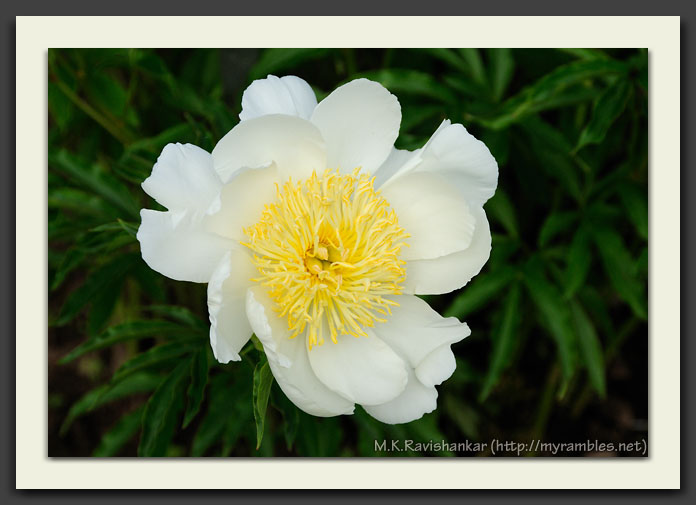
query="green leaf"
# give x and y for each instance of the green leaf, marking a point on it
(291, 417)
(579, 260)
(103, 306)
(585, 54)
(549, 148)
(227, 415)
(137, 383)
(107, 93)
(195, 392)
(555, 224)
(71, 260)
(59, 106)
(590, 348)
(131, 330)
(502, 66)
(162, 411)
(180, 314)
(635, 201)
(498, 141)
(566, 84)
(475, 64)
(275, 60)
(153, 64)
(481, 290)
(596, 305)
(621, 269)
(465, 86)
(80, 202)
(607, 109)
(101, 279)
(114, 439)
(501, 208)
(643, 262)
(504, 341)
(104, 239)
(417, 115)
(156, 356)
(554, 314)
(151, 283)
(452, 58)
(412, 82)
(466, 418)
(178, 133)
(214, 422)
(263, 380)
(130, 228)
(95, 180)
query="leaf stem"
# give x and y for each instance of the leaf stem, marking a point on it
(85, 107)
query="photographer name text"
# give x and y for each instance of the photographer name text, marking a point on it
(512, 448)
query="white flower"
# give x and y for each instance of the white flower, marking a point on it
(315, 233)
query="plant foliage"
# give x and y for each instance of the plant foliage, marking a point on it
(565, 287)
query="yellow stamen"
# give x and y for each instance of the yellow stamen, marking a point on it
(328, 252)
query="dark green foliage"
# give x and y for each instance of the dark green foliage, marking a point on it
(162, 411)
(196, 389)
(263, 380)
(564, 290)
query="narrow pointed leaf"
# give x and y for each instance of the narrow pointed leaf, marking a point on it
(607, 109)
(481, 290)
(621, 269)
(162, 412)
(579, 261)
(128, 331)
(554, 315)
(135, 384)
(263, 380)
(196, 389)
(635, 201)
(502, 66)
(96, 282)
(93, 178)
(504, 342)
(119, 435)
(156, 356)
(590, 348)
(555, 224)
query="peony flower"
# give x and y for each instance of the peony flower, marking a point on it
(314, 233)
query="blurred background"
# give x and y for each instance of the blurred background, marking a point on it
(559, 347)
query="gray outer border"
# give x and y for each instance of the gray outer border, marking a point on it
(11, 8)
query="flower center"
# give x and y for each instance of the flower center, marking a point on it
(327, 250)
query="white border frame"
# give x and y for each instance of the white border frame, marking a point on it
(660, 34)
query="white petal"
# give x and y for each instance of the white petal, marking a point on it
(294, 144)
(242, 201)
(462, 159)
(177, 245)
(183, 178)
(447, 273)
(363, 370)
(412, 404)
(229, 326)
(397, 161)
(286, 95)
(437, 367)
(289, 362)
(432, 212)
(414, 330)
(359, 122)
